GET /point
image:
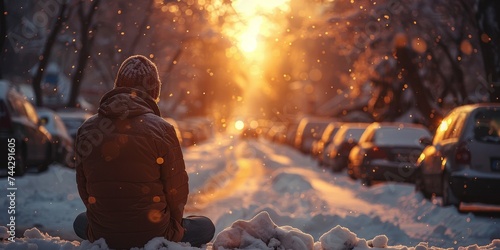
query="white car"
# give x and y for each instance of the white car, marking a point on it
(462, 164)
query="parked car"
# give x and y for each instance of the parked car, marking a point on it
(277, 133)
(73, 119)
(308, 131)
(462, 163)
(63, 143)
(174, 123)
(195, 130)
(387, 152)
(291, 132)
(325, 139)
(249, 132)
(19, 121)
(336, 154)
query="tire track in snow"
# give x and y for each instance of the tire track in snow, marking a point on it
(239, 175)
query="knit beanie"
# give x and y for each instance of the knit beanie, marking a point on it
(140, 73)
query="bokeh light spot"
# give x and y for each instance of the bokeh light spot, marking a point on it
(466, 47)
(156, 199)
(159, 160)
(239, 125)
(419, 45)
(154, 215)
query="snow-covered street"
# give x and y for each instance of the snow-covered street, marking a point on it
(233, 179)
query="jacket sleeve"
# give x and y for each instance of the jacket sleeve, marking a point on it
(174, 178)
(81, 180)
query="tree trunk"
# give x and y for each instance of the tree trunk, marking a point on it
(176, 99)
(422, 96)
(489, 38)
(3, 32)
(85, 29)
(44, 59)
(142, 28)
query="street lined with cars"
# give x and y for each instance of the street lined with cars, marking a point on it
(458, 162)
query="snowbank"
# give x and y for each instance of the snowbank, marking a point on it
(258, 233)
(265, 195)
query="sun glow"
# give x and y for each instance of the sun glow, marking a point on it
(253, 30)
(247, 41)
(252, 13)
(239, 125)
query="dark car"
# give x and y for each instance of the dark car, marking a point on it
(63, 143)
(195, 130)
(19, 121)
(336, 154)
(387, 152)
(462, 164)
(308, 131)
(277, 133)
(326, 138)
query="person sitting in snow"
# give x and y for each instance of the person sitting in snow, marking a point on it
(130, 169)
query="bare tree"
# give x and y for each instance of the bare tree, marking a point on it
(432, 68)
(489, 33)
(87, 30)
(142, 27)
(45, 56)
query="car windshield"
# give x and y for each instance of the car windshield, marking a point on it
(351, 133)
(399, 136)
(487, 126)
(314, 130)
(354, 133)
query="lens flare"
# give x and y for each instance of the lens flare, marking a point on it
(239, 125)
(252, 13)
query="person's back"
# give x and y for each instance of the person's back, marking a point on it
(130, 169)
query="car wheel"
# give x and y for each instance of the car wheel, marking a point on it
(350, 172)
(20, 164)
(420, 186)
(49, 159)
(448, 197)
(365, 181)
(337, 169)
(320, 162)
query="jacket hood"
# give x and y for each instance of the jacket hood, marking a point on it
(124, 102)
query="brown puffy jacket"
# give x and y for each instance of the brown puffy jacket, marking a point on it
(130, 172)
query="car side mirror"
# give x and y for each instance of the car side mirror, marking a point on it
(426, 141)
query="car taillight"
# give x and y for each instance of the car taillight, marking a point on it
(5, 122)
(462, 155)
(377, 153)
